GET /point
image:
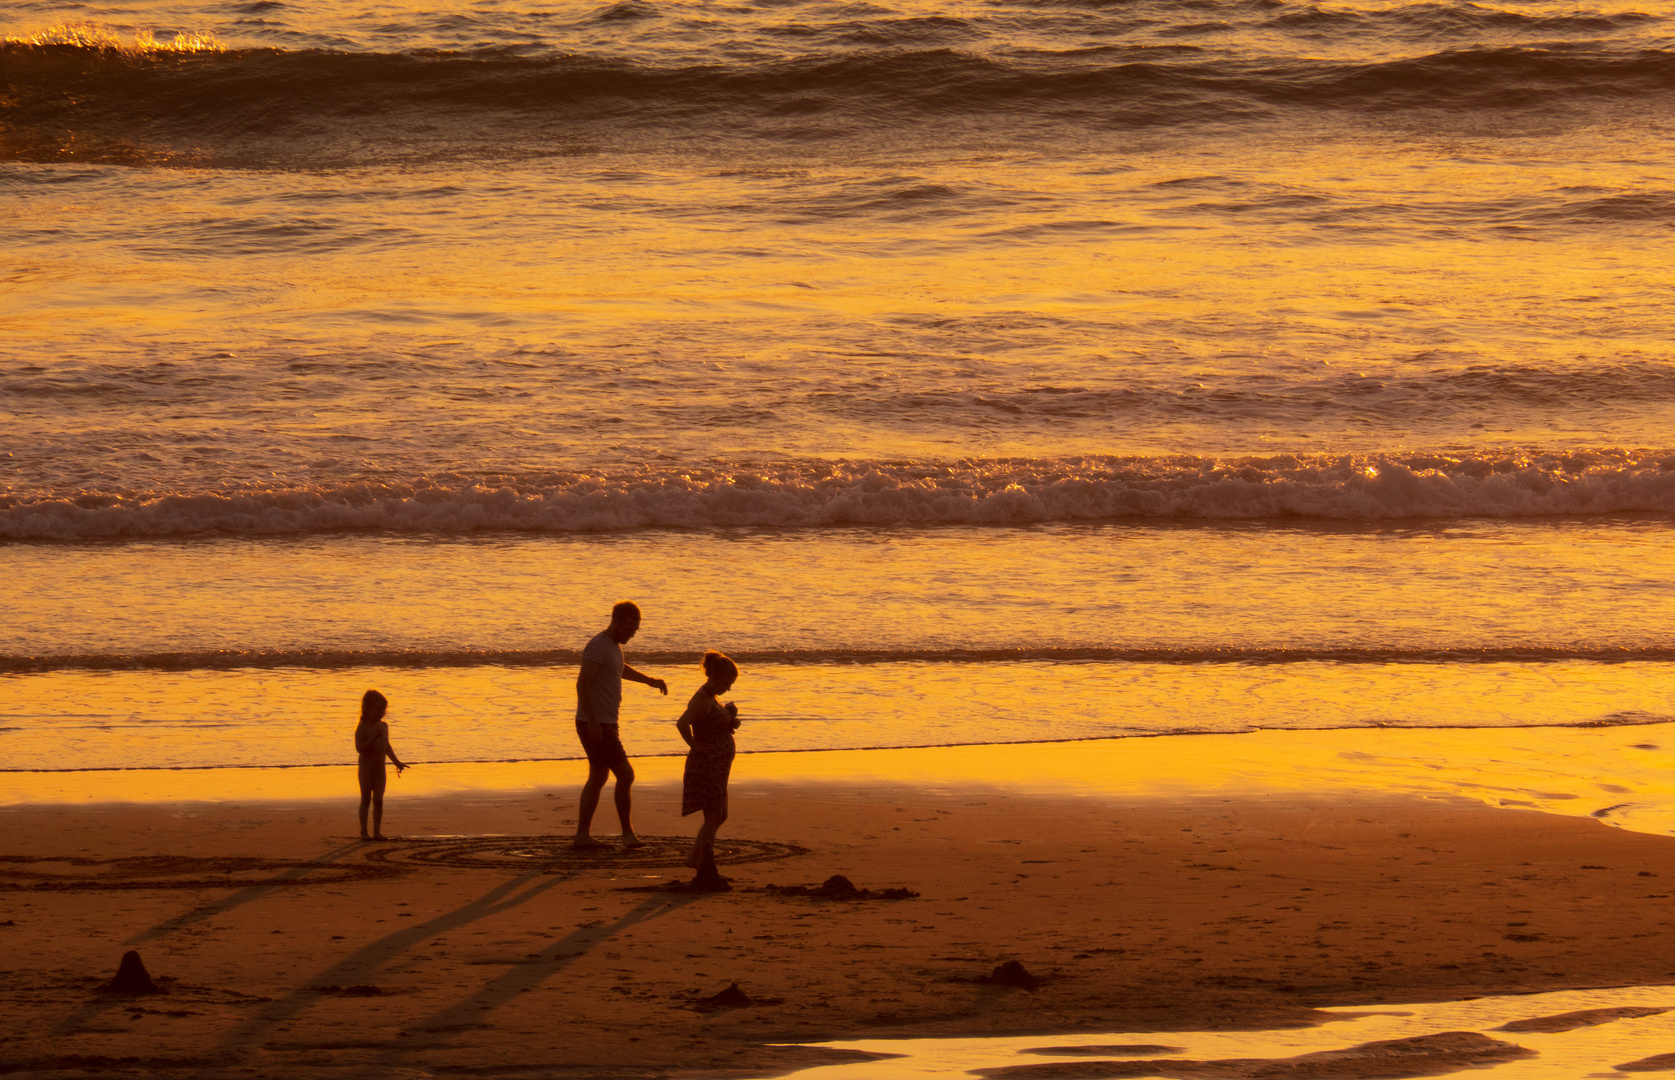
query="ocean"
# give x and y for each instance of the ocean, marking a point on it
(973, 372)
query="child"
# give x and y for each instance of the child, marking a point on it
(707, 726)
(372, 743)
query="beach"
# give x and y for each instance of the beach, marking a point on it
(1221, 891)
(1187, 488)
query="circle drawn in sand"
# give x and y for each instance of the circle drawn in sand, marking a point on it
(49, 873)
(554, 854)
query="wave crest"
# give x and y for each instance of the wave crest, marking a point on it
(817, 494)
(333, 659)
(107, 94)
(98, 38)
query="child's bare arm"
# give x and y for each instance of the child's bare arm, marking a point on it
(390, 750)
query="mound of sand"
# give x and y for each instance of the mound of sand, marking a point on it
(131, 977)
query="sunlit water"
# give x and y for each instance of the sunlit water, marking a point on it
(977, 372)
(253, 652)
(1591, 1051)
(492, 713)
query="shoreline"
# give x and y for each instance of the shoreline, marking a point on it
(1184, 734)
(1233, 893)
(1623, 775)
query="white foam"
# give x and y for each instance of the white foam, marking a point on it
(1348, 488)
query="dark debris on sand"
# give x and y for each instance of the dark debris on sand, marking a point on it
(1011, 973)
(730, 998)
(361, 990)
(1392, 1059)
(838, 887)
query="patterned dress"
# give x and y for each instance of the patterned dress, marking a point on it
(710, 760)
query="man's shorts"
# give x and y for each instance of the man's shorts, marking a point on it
(605, 750)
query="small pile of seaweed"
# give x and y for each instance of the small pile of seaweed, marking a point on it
(838, 887)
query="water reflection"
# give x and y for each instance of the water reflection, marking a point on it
(1604, 1045)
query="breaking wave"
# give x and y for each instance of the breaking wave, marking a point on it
(332, 659)
(216, 96)
(832, 494)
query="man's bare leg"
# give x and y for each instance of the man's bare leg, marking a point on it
(625, 804)
(590, 802)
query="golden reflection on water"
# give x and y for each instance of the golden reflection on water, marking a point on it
(671, 247)
(1566, 1055)
(89, 35)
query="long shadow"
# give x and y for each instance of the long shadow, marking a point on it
(361, 964)
(436, 1029)
(93, 1009)
(239, 898)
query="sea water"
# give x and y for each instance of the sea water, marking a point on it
(1597, 1046)
(974, 372)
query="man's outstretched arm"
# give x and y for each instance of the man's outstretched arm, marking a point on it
(634, 676)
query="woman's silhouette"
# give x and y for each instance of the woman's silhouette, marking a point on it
(707, 726)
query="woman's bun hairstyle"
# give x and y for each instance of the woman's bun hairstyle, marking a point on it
(716, 664)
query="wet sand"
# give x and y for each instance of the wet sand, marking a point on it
(286, 946)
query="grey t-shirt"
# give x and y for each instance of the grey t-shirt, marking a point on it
(607, 685)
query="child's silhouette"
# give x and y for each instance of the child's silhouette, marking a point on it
(372, 743)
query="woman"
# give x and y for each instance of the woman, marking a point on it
(707, 726)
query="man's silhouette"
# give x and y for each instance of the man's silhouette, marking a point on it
(598, 699)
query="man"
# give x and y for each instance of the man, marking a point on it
(598, 698)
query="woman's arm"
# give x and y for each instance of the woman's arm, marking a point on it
(684, 724)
